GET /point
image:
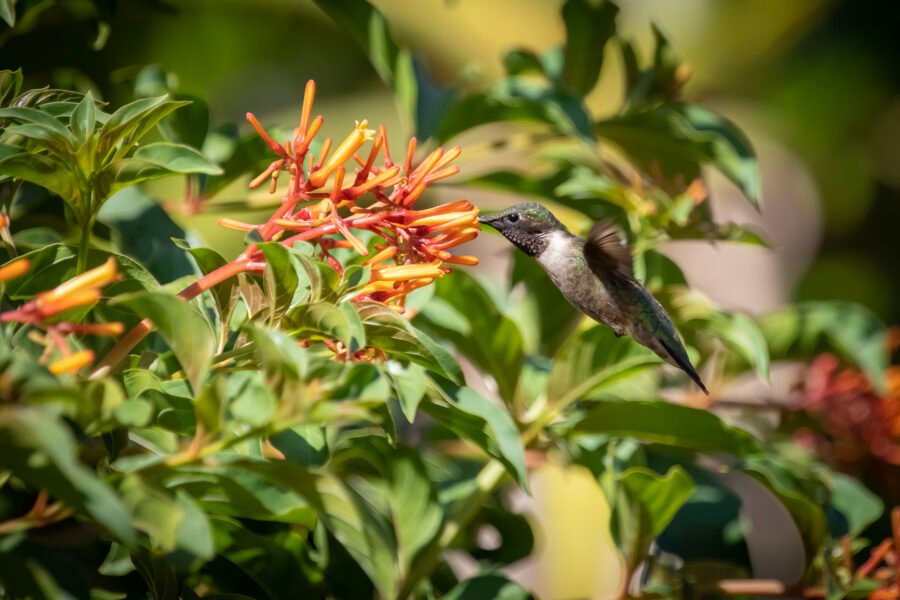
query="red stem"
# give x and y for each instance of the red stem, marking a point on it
(140, 331)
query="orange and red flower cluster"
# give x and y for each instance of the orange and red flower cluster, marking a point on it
(41, 312)
(324, 203)
(857, 422)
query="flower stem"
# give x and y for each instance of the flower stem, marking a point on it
(140, 331)
(84, 245)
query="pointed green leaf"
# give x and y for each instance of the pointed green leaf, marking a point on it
(595, 363)
(661, 496)
(84, 118)
(38, 117)
(41, 170)
(130, 123)
(224, 294)
(851, 330)
(410, 385)
(667, 423)
(186, 330)
(518, 99)
(10, 81)
(388, 331)
(176, 158)
(473, 417)
(589, 25)
(40, 450)
(319, 319)
(859, 506)
(488, 337)
(492, 586)
(679, 138)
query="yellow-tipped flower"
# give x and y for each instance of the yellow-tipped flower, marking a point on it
(403, 272)
(73, 363)
(449, 219)
(89, 280)
(77, 298)
(14, 269)
(110, 329)
(342, 154)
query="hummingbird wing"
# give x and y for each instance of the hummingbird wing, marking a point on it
(606, 252)
(609, 257)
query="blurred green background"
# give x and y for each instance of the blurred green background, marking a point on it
(813, 82)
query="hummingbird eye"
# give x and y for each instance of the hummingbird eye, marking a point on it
(512, 218)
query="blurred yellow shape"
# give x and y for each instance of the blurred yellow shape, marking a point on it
(576, 556)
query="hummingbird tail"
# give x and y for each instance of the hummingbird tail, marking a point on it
(685, 365)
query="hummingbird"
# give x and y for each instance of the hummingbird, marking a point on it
(596, 277)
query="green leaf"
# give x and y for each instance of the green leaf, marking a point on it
(518, 99)
(643, 503)
(589, 26)
(10, 81)
(417, 94)
(278, 353)
(210, 404)
(394, 335)
(305, 445)
(738, 332)
(323, 319)
(488, 587)
(282, 277)
(230, 490)
(38, 449)
(152, 161)
(8, 12)
(40, 118)
(208, 260)
(521, 61)
(357, 333)
(84, 118)
(143, 229)
(186, 330)
(806, 511)
(660, 496)
(176, 158)
(44, 171)
(412, 503)
(592, 362)
(172, 521)
(472, 416)
(484, 334)
(859, 506)
(188, 125)
(410, 384)
(251, 400)
(159, 575)
(130, 123)
(850, 330)
(658, 82)
(667, 423)
(679, 138)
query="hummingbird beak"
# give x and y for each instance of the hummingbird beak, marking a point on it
(485, 220)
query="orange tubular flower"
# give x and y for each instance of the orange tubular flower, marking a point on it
(109, 329)
(77, 298)
(73, 363)
(343, 153)
(14, 269)
(89, 280)
(368, 191)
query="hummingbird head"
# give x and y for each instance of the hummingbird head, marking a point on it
(526, 225)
